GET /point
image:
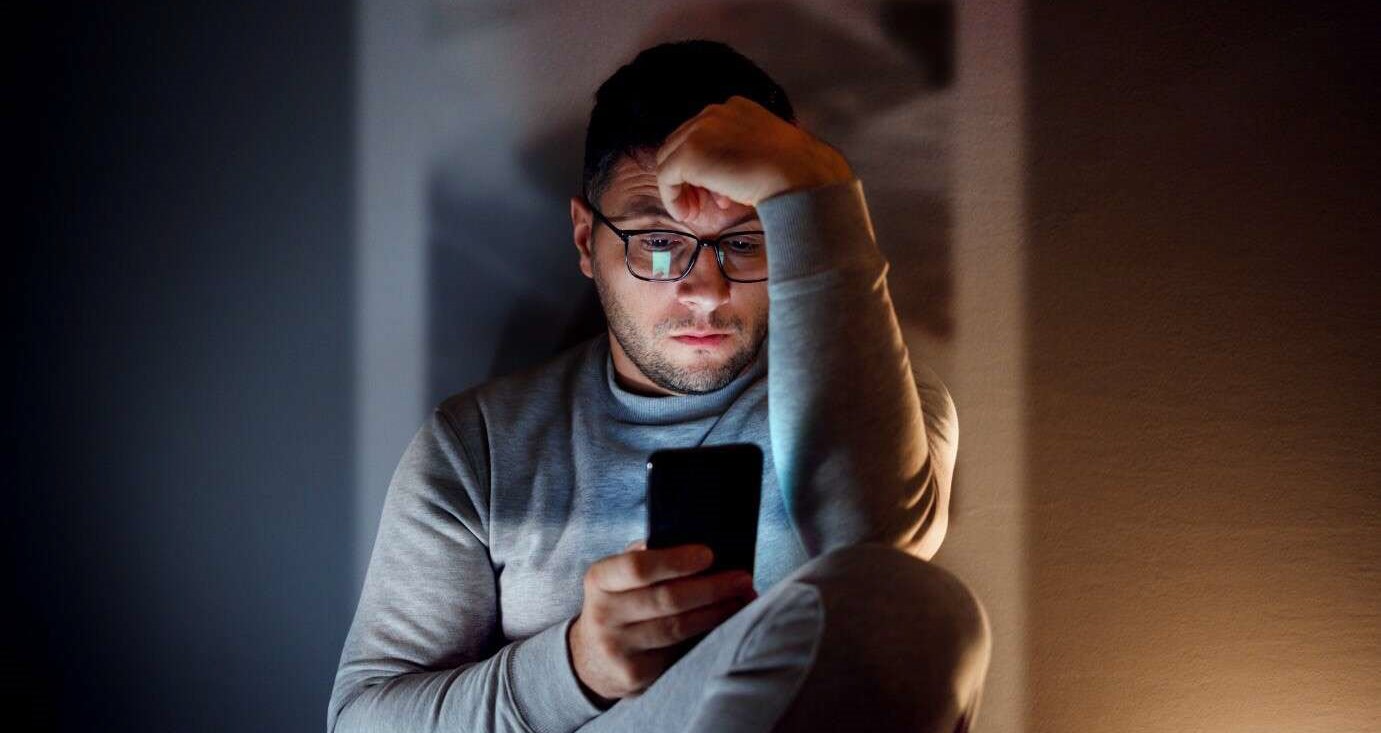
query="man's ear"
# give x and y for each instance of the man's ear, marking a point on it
(582, 231)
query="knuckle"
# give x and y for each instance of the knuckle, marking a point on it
(639, 567)
(674, 627)
(598, 614)
(690, 144)
(664, 598)
(595, 574)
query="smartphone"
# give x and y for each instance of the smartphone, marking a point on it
(710, 496)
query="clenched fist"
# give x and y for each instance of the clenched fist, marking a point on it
(639, 607)
(738, 154)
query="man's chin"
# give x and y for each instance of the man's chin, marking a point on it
(699, 360)
(702, 373)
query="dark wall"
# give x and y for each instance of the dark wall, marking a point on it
(178, 371)
(1204, 517)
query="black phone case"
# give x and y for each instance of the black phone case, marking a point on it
(708, 495)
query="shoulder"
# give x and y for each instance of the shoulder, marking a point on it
(523, 395)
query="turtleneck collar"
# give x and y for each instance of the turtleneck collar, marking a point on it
(631, 407)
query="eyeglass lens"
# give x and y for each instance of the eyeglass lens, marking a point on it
(667, 255)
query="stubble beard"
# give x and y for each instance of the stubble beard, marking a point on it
(664, 373)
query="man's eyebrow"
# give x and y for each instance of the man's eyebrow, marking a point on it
(644, 207)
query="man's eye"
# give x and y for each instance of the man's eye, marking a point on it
(744, 246)
(659, 242)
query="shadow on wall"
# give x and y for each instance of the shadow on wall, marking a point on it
(876, 92)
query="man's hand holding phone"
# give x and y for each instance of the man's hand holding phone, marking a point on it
(640, 606)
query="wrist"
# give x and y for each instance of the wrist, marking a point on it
(827, 168)
(596, 699)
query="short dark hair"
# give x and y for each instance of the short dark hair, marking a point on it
(648, 98)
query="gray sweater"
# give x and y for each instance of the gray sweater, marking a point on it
(513, 488)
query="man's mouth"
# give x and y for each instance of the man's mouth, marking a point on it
(701, 338)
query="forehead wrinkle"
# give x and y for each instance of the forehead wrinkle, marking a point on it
(642, 207)
(635, 178)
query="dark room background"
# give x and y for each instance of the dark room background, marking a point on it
(178, 377)
(1138, 240)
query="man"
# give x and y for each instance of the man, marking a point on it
(508, 589)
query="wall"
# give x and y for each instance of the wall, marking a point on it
(1204, 502)
(1161, 348)
(472, 122)
(177, 377)
(472, 118)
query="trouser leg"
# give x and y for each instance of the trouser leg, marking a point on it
(862, 638)
(905, 647)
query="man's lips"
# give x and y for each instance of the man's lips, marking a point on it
(705, 338)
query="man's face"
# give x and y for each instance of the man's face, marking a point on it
(646, 317)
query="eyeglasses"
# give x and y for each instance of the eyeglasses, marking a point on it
(666, 255)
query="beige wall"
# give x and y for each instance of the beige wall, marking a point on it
(1152, 232)
(985, 363)
(1204, 495)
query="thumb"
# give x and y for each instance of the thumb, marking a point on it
(636, 545)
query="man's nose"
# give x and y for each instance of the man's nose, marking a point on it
(705, 287)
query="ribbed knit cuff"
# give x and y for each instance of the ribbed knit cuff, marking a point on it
(543, 683)
(812, 230)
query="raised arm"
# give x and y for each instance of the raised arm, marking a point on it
(849, 430)
(863, 450)
(425, 652)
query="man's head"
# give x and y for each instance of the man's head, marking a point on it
(635, 110)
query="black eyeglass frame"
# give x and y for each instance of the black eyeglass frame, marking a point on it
(713, 243)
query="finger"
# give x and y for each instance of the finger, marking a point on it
(679, 595)
(679, 135)
(636, 545)
(689, 203)
(674, 141)
(631, 570)
(671, 630)
(696, 203)
(673, 200)
(673, 191)
(677, 192)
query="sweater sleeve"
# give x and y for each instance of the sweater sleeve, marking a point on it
(864, 450)
(425, 651)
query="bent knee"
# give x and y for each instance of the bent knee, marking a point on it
(902, 627)
(884, 583)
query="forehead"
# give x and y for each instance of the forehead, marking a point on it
(633, 176)
(632, 194)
